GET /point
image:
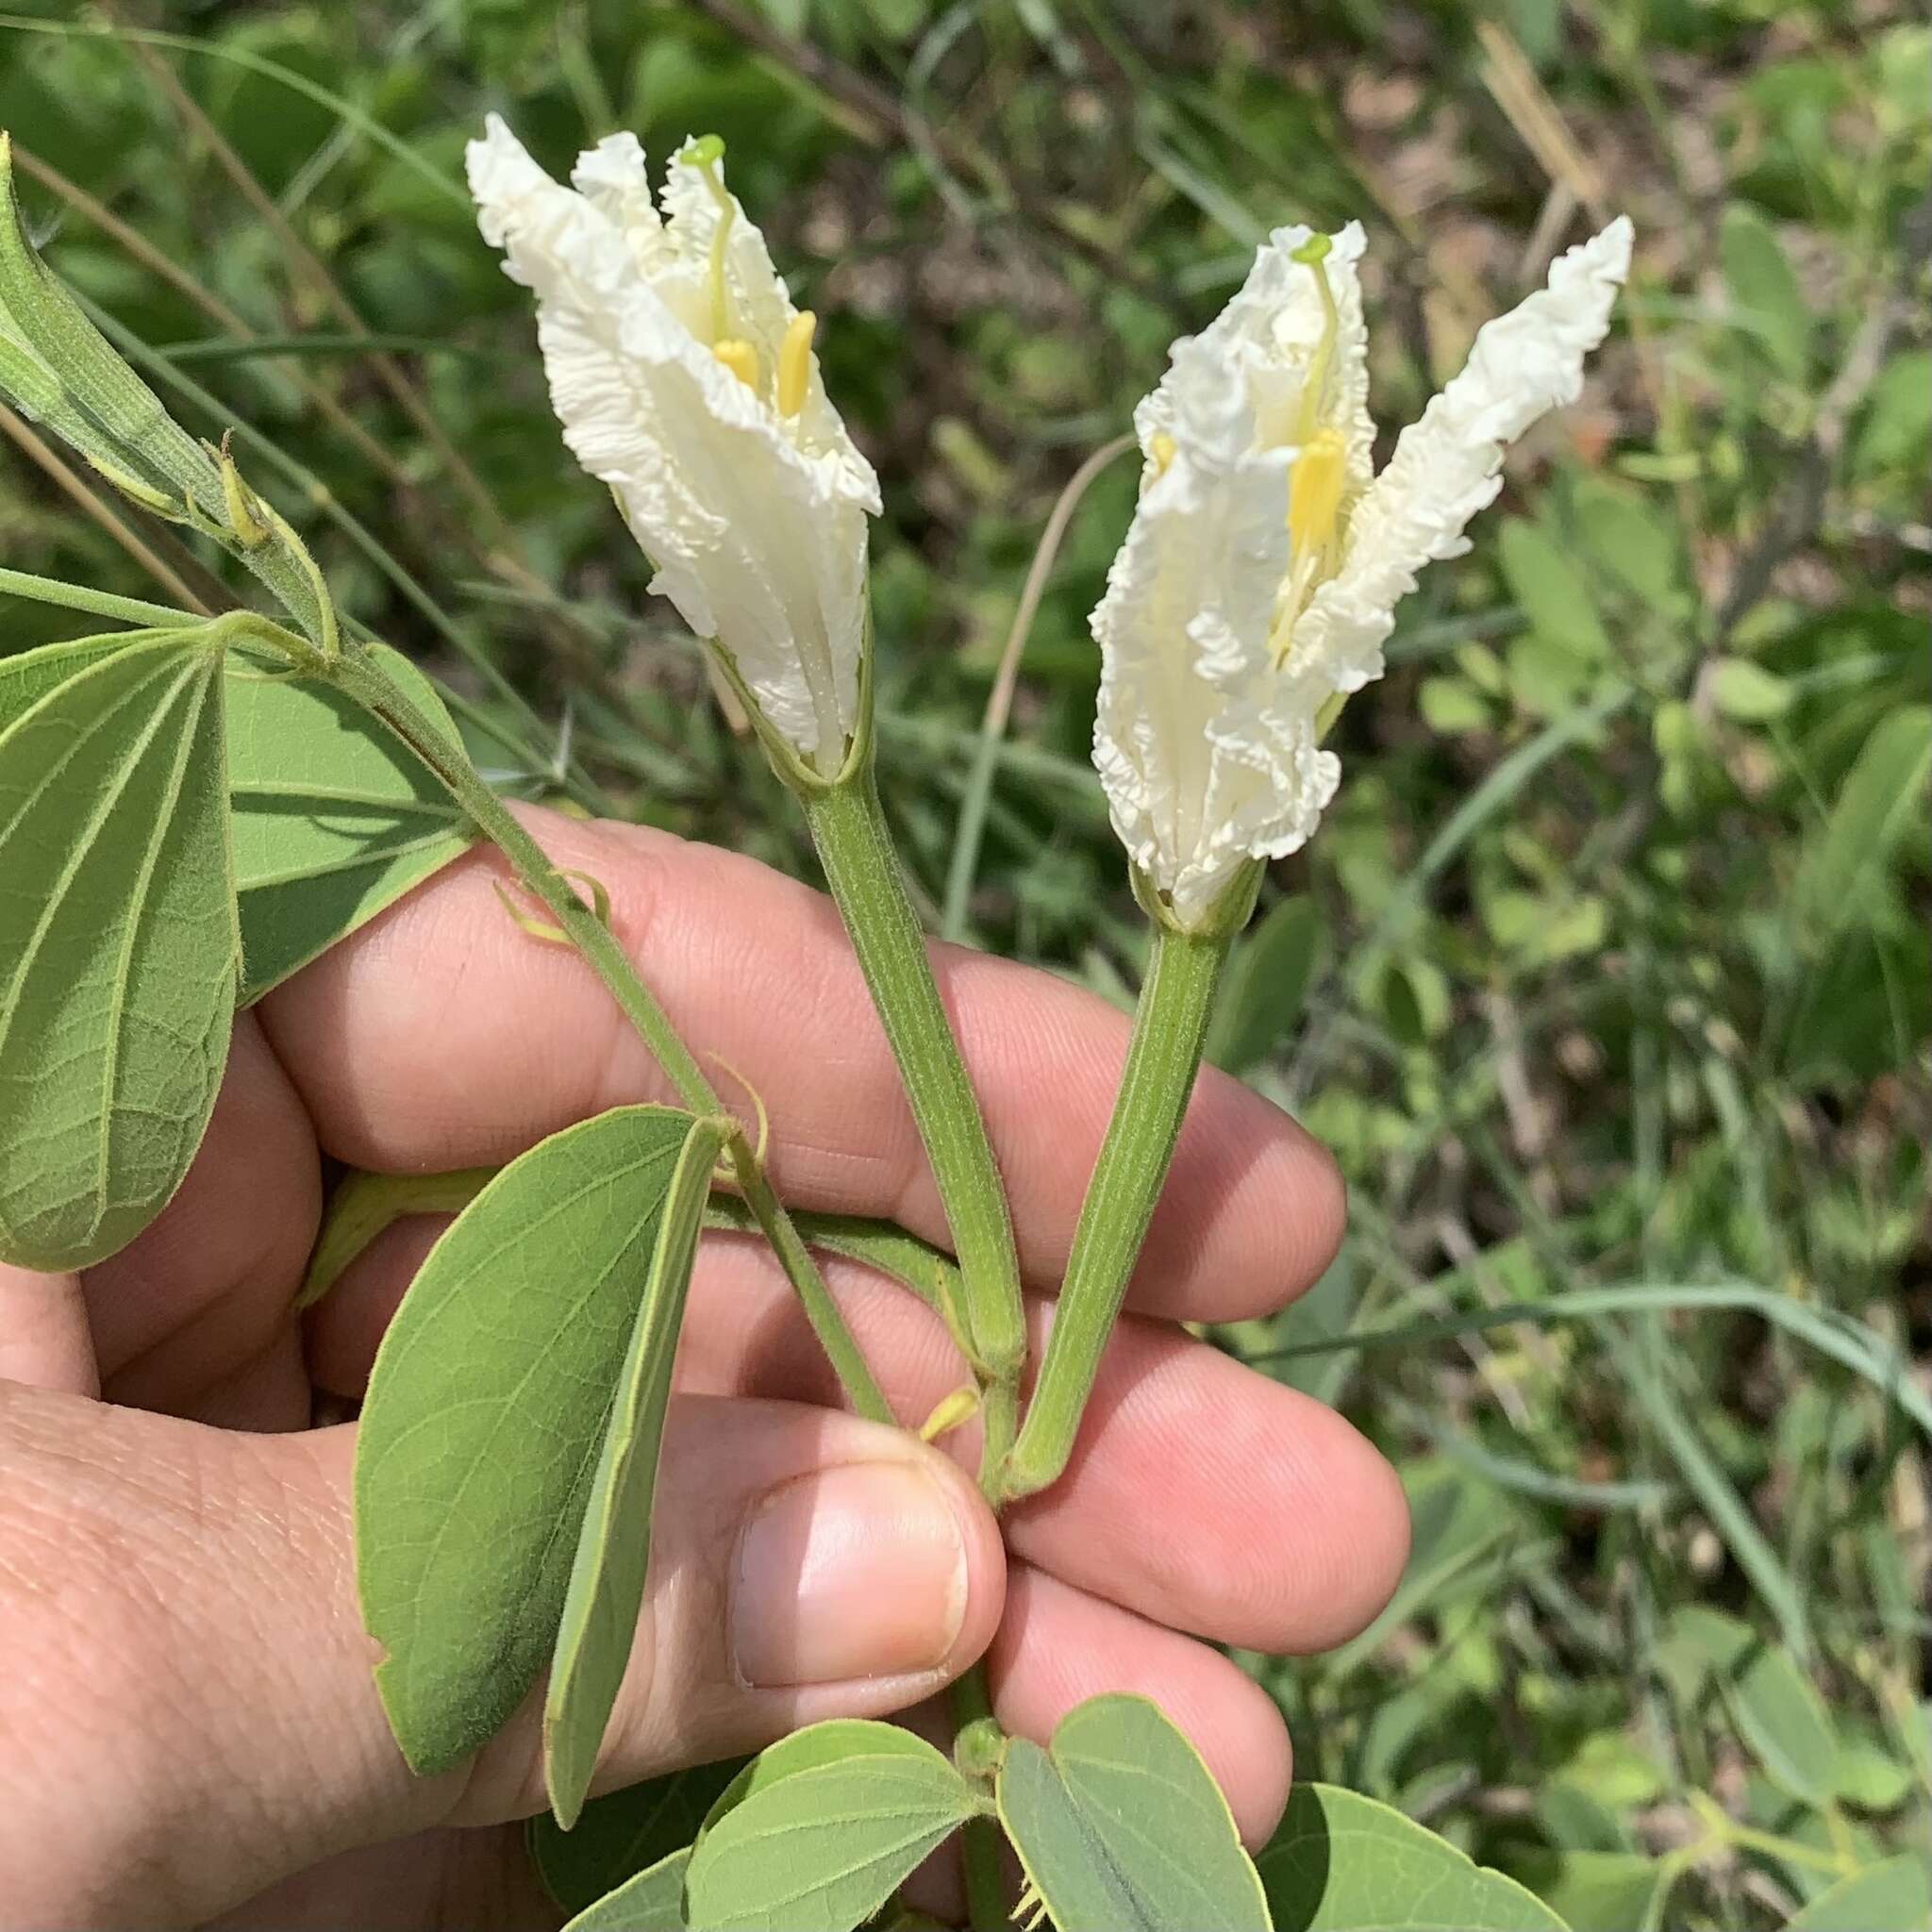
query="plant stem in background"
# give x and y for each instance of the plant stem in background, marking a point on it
(1170, 1029)
(849, 830)
(358, 679)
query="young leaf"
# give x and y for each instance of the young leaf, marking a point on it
(651, 1902)
(334, 820)
(118, 946)
(827, 1742)
(62, 372)
(607, 1579)
(624, 1833)
(1119, 1825)
(485, 1418)
(1784, 1724)
(822, 1848)
(1341, 1863)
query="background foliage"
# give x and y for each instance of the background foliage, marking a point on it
(1610, 969)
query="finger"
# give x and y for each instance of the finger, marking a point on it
(194, 1316)
(443, 1036)
(189, 1593)
(44, 1342)
(1172, 1425)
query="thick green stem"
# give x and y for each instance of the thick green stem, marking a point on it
(358, 676)
(863, 871)
(1169, 1028)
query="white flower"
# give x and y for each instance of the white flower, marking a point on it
(1260, 575)
(684, 378)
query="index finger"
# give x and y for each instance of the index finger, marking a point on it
(443, 1036)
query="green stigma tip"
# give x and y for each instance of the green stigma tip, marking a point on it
(707, 150)
(1314, 249)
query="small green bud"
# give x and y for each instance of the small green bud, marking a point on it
(980, 1749)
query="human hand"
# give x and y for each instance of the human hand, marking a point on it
(190, 1732)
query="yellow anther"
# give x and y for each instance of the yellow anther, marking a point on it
(794, 362)
(1314, 493)
(962, 1406)
(1161, 447)
(739, 358)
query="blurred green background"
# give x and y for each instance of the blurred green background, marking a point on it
(1606, 977)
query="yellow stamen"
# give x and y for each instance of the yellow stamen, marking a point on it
(1161, 447)
(794, 362)
(739, 358)
(1314, 493)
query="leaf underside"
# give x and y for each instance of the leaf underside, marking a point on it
(118, 946)
(613, 1552)
(484, 1422)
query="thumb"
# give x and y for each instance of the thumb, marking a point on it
(196, 1719)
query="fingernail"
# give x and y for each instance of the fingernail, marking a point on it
(852, 1571)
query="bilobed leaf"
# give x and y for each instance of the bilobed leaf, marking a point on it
(484, 1420)
(1341, 1863)
(1120, 1828)
(118, 948)
(651, 1902)
(334, 820)
(624, 1833)
(819, 1842)
(1267, 979)
(606, 1579)
(1894, 1894)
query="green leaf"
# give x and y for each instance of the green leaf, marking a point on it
(1266, 980)
(1747, 693)
(1119, 1825)
(827, 1742)
(28, 676)
(334, 820)
(485, 1422)
(1783, 1722)
(1894, 1894)
(1602, 1891)
(1554, 599)
(1882, 795)
(651, 1902)
(1764, 291)
(118, 948)
(607, 1579)
(1344, 1863)
(624, 1833)
(819, 1846)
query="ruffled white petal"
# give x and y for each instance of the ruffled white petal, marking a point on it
(1203, 766)
(1207, 738)
(756, 527)
(1448, 465)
